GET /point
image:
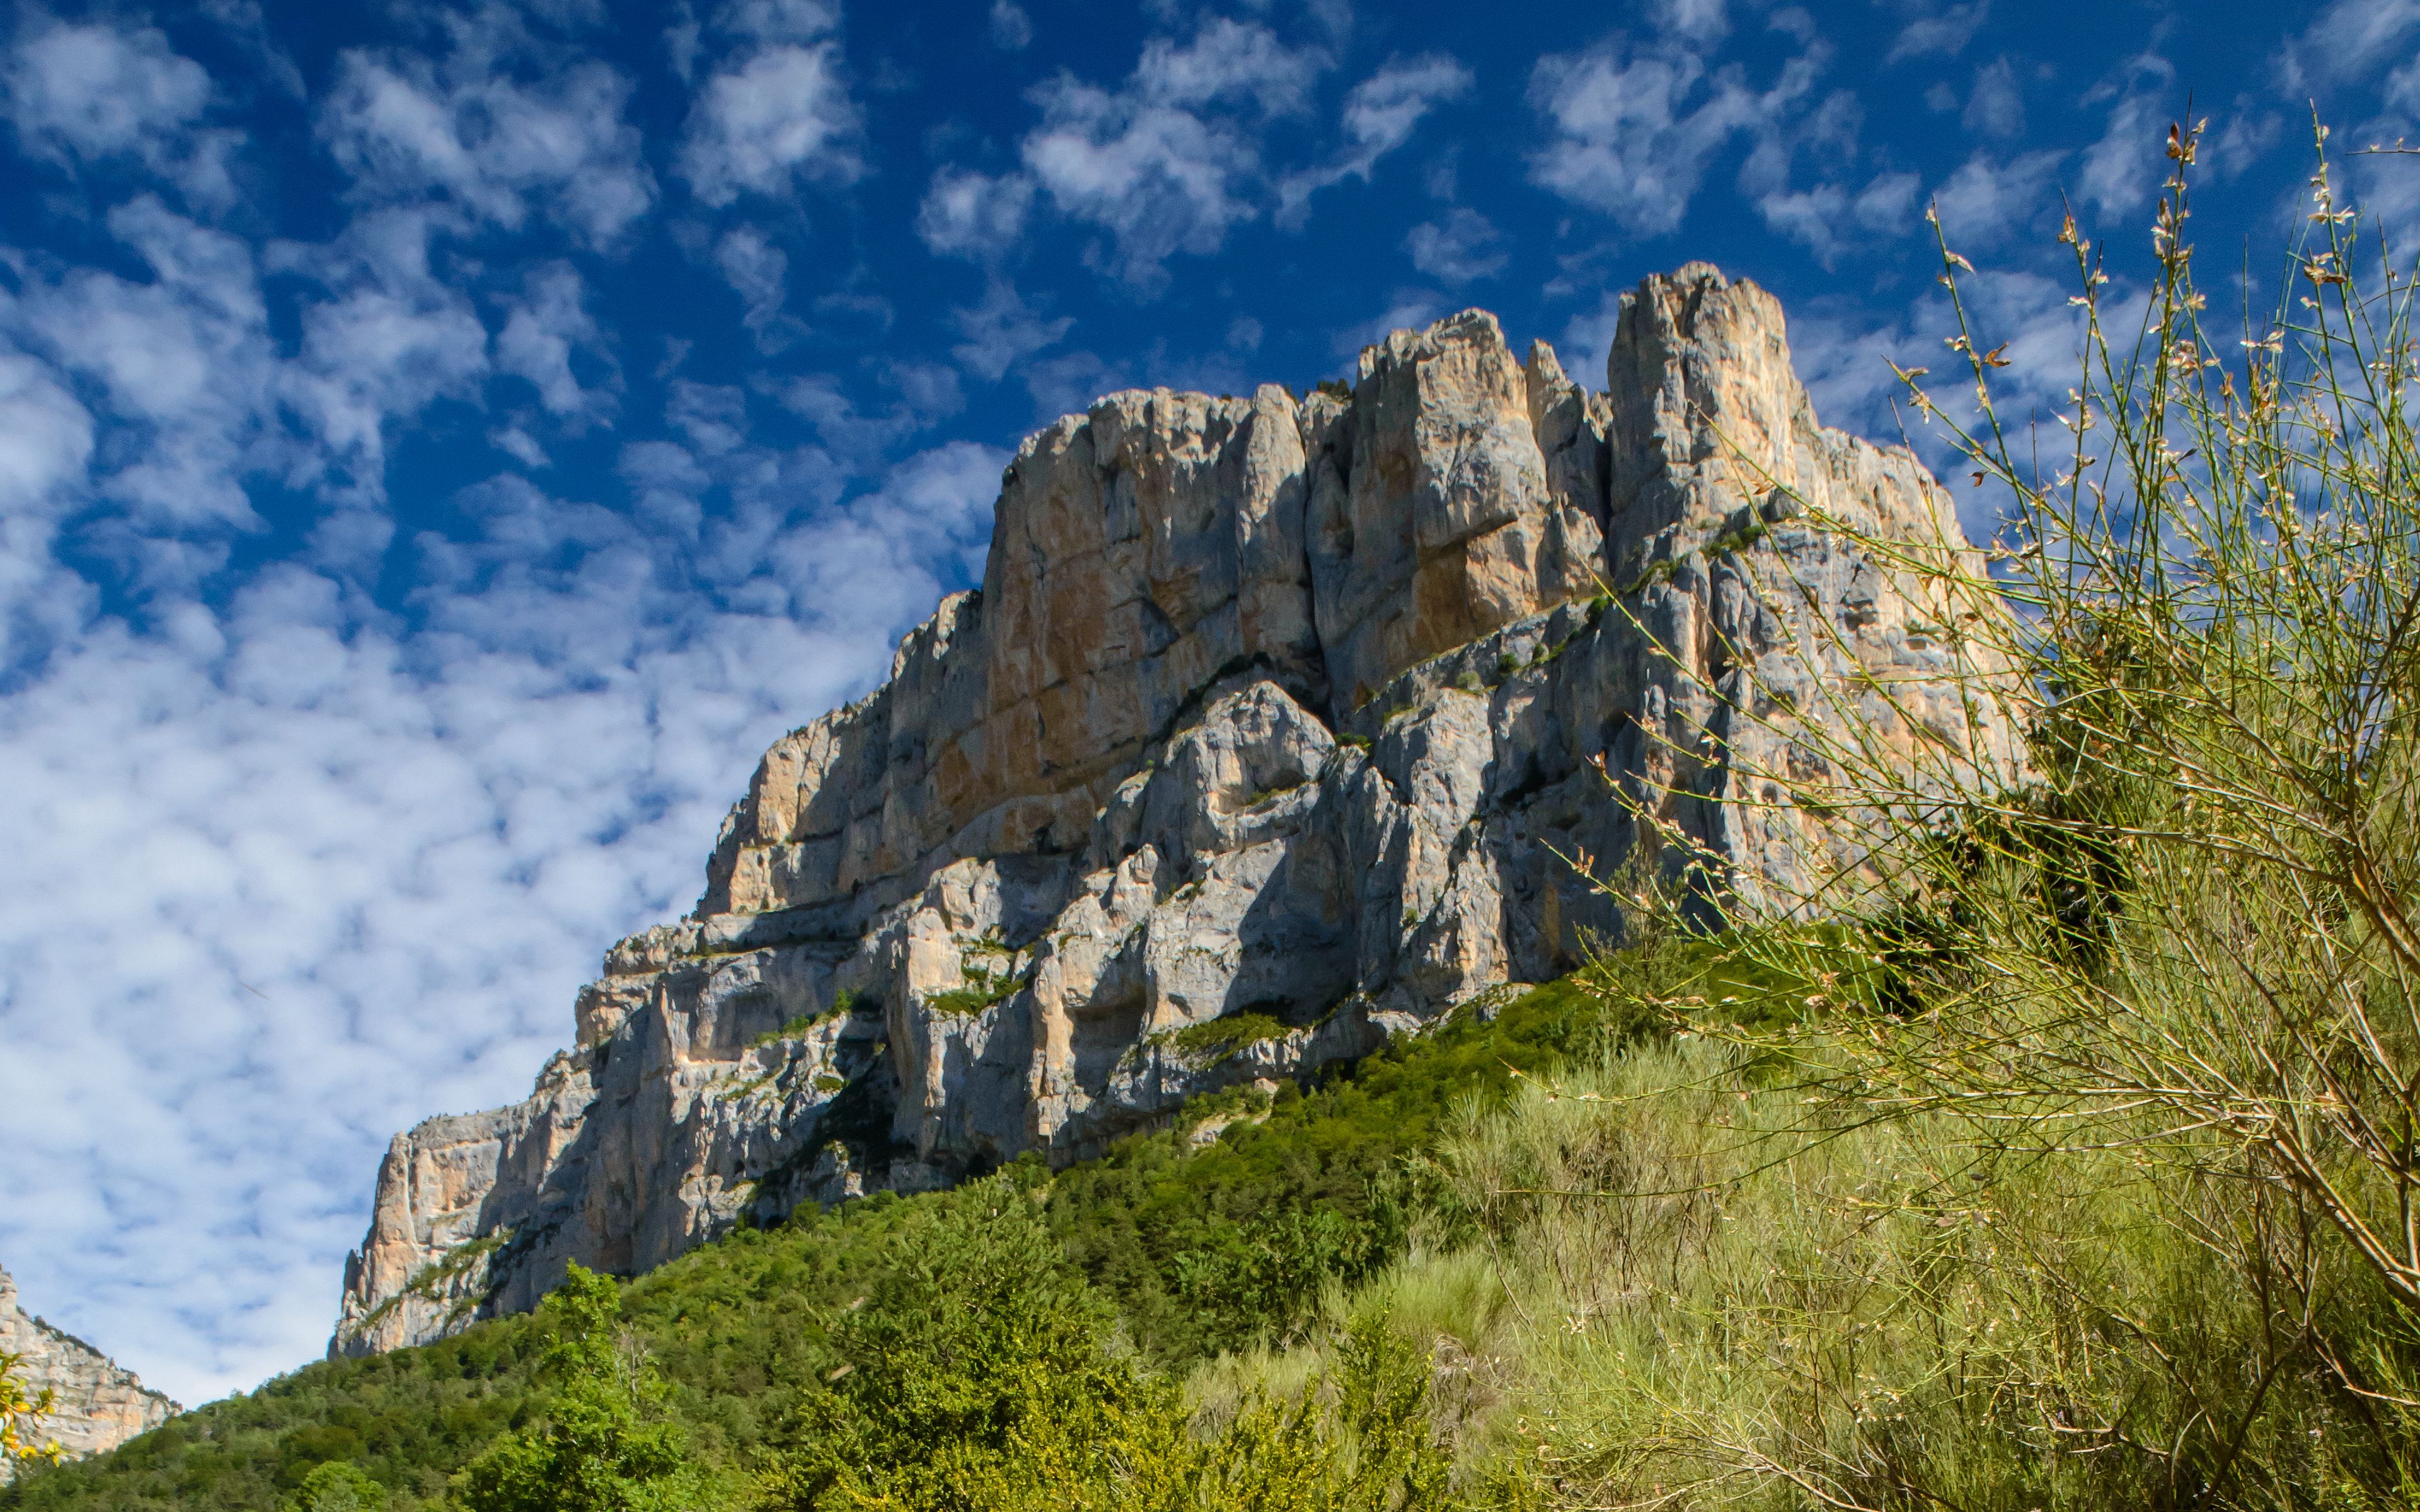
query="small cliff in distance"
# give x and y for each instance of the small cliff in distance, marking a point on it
(1265, 737)
(96, 1404)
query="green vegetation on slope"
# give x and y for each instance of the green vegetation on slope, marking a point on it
(1182, 1250)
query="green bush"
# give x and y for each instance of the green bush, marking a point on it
(604, 1441)
(1215, 1039)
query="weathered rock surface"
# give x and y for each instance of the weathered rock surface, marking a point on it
(1287, 709)
(94, 1404)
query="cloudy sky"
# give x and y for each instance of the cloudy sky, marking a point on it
(441, 444)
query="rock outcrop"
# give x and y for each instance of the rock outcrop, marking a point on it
(94, 1404)
(1285, 714)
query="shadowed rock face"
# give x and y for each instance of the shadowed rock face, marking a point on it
(1265, 706)
(94, 1404)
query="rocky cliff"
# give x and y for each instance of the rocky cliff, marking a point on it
(94, 1404)
(1269, 734)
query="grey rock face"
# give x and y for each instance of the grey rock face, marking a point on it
(1281, 712)
(96, 1404)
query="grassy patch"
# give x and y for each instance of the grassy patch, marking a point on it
(844, 1003)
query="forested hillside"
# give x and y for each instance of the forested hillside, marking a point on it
(1219, 1233)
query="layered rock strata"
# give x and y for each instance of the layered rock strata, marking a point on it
(1269, 734)
(95, 1403)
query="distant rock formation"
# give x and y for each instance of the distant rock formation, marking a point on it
(1283, 712)
(96, 1404)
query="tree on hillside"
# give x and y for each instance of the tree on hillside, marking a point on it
(605, 1442)
(338, 1485)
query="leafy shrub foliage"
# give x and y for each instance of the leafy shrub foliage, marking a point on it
(603, 1441)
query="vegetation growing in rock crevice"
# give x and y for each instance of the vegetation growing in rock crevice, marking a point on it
(843, 1005)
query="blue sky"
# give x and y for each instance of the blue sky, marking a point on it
(442, 444)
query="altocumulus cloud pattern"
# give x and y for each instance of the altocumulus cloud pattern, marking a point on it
(442, 444)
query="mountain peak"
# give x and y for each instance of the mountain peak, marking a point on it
(1277, 711)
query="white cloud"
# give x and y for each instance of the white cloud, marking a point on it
(1843, 355)
(972, 214)
(1410, 310)
(46, 441)
(782, 114)
(85, 94)
(520, 446)
(1230, 62)
(2121, 171)
(1828, 219)
(757, 271)
(1384, 109)
(1702, 23)
(1160, 178)
(1002, 331)
(390, 338)
(181, 364)
(2348, 39)
(1586, 345)
(464, 129)
(546, 326)
(1946, 31)
(1380, 116)
(713, 416)
(1068, 383)
(854, 436)
(931, 389)
(1633, 129)
(1011, 29)
(778, 21)
(1461, 247)
(45, 437)
(1172, 160)
(1152, 163)
(1161, 181)
(1988, 196)
(1996, 108)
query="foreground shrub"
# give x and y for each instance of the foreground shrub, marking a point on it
(2138, 1032)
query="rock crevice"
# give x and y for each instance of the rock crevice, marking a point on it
(1285, 711)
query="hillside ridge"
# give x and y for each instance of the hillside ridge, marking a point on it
(97, 1404)
(1265, 737)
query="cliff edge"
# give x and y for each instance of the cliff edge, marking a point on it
(1265, 737)
(96, 1403)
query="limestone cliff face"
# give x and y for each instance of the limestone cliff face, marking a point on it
(1288, 709)
(95, 1405)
